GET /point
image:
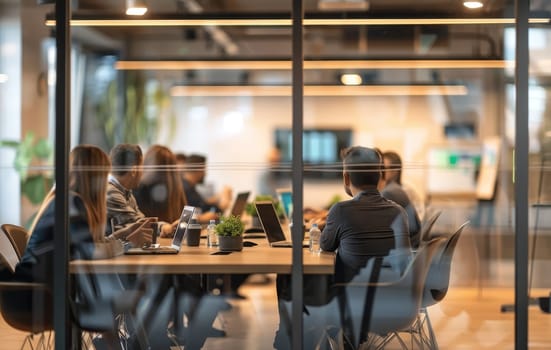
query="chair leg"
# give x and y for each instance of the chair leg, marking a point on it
(374, 341)
(433, 345)
(46, 340)
(39, 341)
(422, 332)
(87, 340)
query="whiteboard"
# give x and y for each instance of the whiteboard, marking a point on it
(452, 169)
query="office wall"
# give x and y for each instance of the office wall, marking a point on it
(240, 130)
(10, 108)
(23, 97)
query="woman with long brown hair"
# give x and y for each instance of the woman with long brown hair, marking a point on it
(89, 167)
(160, 192)
(88, 170)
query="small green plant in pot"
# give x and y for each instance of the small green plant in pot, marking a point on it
(230, 233)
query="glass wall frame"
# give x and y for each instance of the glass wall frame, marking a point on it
(520, 245)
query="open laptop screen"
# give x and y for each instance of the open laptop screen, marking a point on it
(270, 221)
(181, 229)
(285, 196)
(240, 203)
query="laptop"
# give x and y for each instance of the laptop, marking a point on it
(285, 197)
(270, 224)
(239, 204)
(179, 235)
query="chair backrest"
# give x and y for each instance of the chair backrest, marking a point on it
(427, 225)
(385, 307)
(438, 278)
(19, 235)
(8, 252)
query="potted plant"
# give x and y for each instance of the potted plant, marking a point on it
(230, 233)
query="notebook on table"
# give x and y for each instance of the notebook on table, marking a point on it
(177, 239)
(272, 227)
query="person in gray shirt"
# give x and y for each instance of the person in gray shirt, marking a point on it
(125, 176)
(126, 172)
(367, 225)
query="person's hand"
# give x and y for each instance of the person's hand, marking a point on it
(168, 229)
(140, 232)
(140, 237)
(318, 217)
(225, 198)
(124, 232)
(209, 215)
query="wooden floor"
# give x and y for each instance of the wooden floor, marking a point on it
(468, 318)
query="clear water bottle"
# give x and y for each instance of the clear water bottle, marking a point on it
(212, 238)
(315, 235)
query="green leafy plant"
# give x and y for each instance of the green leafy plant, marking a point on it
(230, 226)
(251, 209)
(34, 183)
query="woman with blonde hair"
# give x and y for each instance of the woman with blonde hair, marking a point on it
(160, 192)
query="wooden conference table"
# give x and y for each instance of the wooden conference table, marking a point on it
(198, 260)
(258, 259)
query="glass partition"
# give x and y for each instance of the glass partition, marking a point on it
(191, 104)
(538, 127)
(26, 171)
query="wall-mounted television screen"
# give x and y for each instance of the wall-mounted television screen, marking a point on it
(320, 148)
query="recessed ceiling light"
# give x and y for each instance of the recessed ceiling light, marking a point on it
(135, 7)
(351, 79)
(473, 4)
(319, 90)
(343, 5)
(3, 78)
(191, 22)
(313, 64)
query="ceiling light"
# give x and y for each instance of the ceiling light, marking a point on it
(351, 79)
(343, 5)
(473, 4)
(135, 7)
(312, 64)
(3, 78)
(319, 90)
(194, 21)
